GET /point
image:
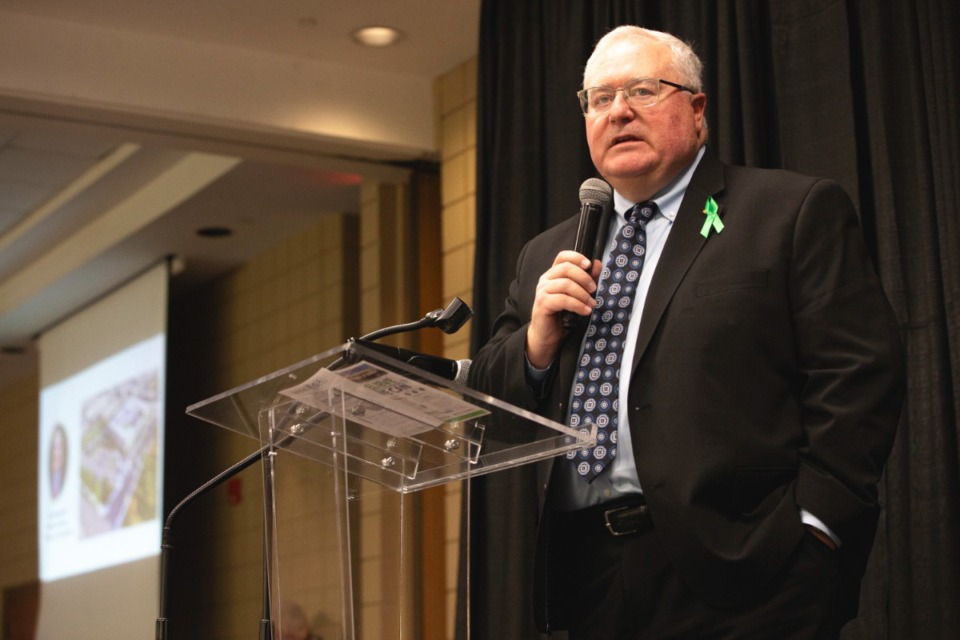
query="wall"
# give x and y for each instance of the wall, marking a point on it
(18, 487)
(457, 97)
(291, 302)
(349, 275)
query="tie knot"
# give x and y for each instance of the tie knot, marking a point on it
(642, 212)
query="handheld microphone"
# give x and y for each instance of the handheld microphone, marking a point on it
(596, 198)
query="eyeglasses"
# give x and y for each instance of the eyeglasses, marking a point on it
(644, 92)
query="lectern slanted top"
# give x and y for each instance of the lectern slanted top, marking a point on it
(406, 429)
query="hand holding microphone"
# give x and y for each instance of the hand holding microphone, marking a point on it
(595, 207)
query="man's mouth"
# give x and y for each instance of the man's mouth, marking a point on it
(624, 138)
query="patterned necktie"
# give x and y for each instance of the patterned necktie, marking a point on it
(597, 384)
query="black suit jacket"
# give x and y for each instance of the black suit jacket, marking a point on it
(768, 376)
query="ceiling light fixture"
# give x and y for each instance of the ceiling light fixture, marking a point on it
(214, 232)
(376, 36)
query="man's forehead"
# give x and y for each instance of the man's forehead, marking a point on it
(639, 58)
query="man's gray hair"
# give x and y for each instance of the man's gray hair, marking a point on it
(685, 62)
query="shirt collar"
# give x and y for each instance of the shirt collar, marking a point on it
(667, 199)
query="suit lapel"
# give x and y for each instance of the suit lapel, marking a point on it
(681, 249)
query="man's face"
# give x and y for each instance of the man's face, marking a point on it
(640, 150)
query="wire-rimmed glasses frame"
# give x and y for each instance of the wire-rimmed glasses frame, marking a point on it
(642, 93)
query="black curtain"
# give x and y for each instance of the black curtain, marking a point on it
(861, 91)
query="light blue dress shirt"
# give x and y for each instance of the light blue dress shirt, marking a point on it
(620, 478)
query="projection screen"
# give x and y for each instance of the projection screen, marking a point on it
(102, 383)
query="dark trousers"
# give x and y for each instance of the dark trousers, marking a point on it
(625, 588)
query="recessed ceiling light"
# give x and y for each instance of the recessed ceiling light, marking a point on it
(376, 36)
(214, 232)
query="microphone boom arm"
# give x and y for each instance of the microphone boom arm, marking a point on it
(448, 320)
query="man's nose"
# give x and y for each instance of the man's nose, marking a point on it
(620, 108)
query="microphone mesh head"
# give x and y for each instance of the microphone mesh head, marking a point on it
(595, 191)
(463, 372)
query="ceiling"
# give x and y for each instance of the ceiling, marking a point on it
(95, 189)
(439, 33)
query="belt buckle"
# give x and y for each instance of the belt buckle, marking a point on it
(606, 520)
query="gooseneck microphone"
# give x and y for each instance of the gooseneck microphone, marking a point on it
(596, 198)
(449, 320)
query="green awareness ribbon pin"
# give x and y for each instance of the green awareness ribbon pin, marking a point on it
(713, 220)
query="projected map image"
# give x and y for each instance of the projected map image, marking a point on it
(118, 455)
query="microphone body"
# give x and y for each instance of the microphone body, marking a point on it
(596, 197)
(455, 370)
(586, 242)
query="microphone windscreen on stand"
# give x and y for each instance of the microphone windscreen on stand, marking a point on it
(596, 202)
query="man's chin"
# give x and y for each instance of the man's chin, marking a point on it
(629, 159)
(625, 172)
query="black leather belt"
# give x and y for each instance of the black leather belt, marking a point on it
(626, 519)
(620, 518)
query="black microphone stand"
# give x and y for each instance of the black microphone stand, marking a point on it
(449, 320)
(266, 632)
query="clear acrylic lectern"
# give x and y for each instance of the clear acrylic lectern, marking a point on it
(348, 434)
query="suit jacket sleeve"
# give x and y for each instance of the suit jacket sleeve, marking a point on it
(499, 368)
(495, 368)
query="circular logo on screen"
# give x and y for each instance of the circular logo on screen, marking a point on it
(57, 460)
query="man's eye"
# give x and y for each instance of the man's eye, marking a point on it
(640, 91)
(601, 99)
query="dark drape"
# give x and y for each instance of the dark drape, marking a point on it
(861, 91)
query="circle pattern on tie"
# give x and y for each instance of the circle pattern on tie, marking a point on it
(600, 359)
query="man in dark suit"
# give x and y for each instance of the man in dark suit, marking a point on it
(739, 359)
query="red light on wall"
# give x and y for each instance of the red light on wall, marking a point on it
(235, 491)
